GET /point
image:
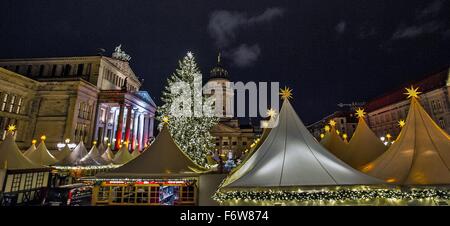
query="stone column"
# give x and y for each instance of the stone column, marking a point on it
(145, 140)
(150, 126)
(119, 127)
(128, 125)
(135, 125)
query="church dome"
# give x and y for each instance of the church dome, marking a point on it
(218, 71)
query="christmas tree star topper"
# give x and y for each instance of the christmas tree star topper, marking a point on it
(401, 123)
(165, 119)
(286, 93)
(412, 92)
(360, 113)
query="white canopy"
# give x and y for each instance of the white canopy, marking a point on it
(290, 156)
(333, 143)
(75, 156)
(30, 149)
(364, 146)
(420, 155)
(122, 156)
(162, 158)
(12, 157)
(135, 153)
(108, 155)
(42, 155)
(93, 158)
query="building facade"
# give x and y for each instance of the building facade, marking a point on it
(80, 98)
(385, 112)
(230, 135)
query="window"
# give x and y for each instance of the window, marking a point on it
(29, 70)
(234, 143)
(80, 69)
(116, 194)
(17, 69)
(28, 181)
(154, 195)
(53, 70)
(19, 105)
(187, 194)
(4, 101)
(442, 123)
(40, 180)
(41, 70)
(12, 103)
(66, 70)
(16, 182)
(225, 143)
(244, 143)
(103, 194)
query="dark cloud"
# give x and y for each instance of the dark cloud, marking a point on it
(431, 10)
(340, 27)
(244, 55)
(223, 25)
(416, 30)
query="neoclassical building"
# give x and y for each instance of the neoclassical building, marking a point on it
(385, 112)
(230, 135)
(81, 98)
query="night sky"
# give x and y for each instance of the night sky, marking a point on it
(328, 51)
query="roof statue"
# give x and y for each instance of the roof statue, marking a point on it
(364, 146)
(120, 54)
(42, 155)
(421, 153)
(291, 157)
(75, 157)
(162, 158)
(12, 158)
(123, 155)
(31, 148)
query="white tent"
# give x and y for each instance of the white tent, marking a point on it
(135, 153)
(122, 156)
(419, 156)
(333, 143)
(12, 158)
(364, 146)
(42, 155)
(162, 158)
(93, 158)
(101, 148)
(108, 155)
(60, 155)
(31, 148)
(291, 157)
(75, 156)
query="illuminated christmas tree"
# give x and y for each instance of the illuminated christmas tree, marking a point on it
(189, 125)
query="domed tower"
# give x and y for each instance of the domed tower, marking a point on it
(219, 80)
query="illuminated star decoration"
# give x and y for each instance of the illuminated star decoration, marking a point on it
(271, 113)
(401, 123)
(286, 93)
(12, 128)
(332, 123)
(360, 113)
(165, 119)
(327, 128)
(412, 92)
(189, 54)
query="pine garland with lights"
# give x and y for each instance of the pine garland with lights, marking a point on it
(335, 195)
(190, 133)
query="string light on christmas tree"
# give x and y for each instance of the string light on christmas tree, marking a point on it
(327, 128)
(412, 92)
(165, 119)
(322, 136)
(286, 93)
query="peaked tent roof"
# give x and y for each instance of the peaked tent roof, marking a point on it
(122, 156)
(420, 155)
(60, 155)
(290, 156)
(163, 157)
(30, 149)
(42, 155)
(108, 155)
(364, 146)
(333, 143)
(75, 157)
(135, 153)
(93, 158)
(101, 148)
(12, 157)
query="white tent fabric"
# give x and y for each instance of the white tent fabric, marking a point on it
(101, 148)
(12, 158)
(42, 155)
(60, 155)
(290, 156)
(75, 156)
(162, 158)
(135, 153)
(122, 156)
(108, 155)
(364, 146)
(30, 149)
(333, 143)
(93, 158)
(420, 155)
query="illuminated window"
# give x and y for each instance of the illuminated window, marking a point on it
(16, 182)
(28, 181)
(40, 180)
(103, 194)
(12, 103)
(187, 194)
(154, 195)
(19, 105)
(4, 101)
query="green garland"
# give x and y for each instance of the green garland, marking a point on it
(337, 195)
